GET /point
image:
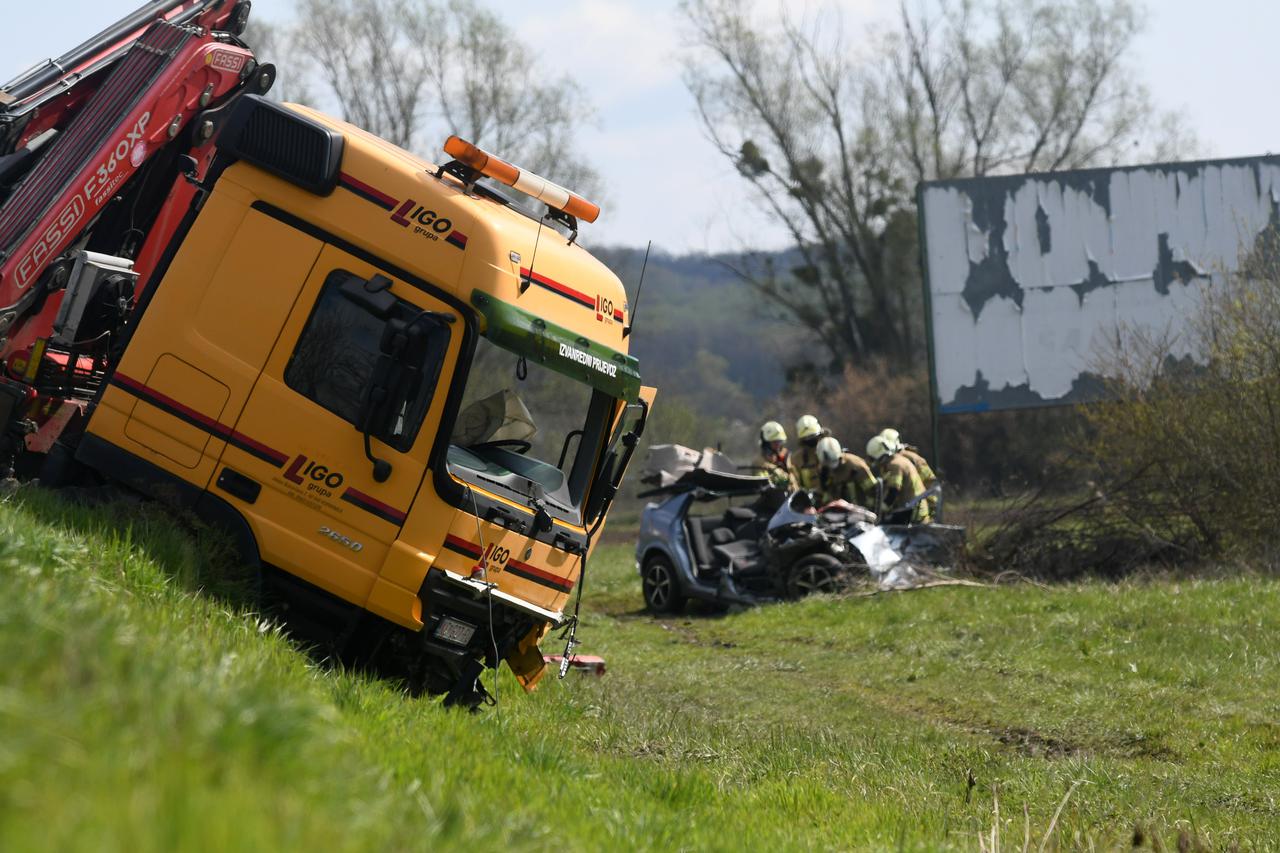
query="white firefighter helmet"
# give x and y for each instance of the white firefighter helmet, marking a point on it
(893, 438)
(807, 427)
(828, 451)
(772, 431)
(879, 447)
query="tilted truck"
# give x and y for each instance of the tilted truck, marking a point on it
(401, 394)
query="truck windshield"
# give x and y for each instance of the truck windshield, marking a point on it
(524, 431)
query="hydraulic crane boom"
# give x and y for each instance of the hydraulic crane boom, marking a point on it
(75, 131)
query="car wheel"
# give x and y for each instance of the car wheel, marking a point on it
(818, 573)
(662, 592)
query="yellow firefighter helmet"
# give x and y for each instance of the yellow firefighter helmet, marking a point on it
(807, 427)
(772, 431)
(879, 447)
(829, 452)
(893, 438)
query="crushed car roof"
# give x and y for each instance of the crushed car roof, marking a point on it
(673, 468)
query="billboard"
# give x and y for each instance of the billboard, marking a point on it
(1029, 277)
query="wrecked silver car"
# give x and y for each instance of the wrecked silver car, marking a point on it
(714, 534)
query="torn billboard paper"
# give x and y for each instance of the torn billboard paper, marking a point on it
(1030, 278)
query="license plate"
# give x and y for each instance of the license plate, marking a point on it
(454, 631)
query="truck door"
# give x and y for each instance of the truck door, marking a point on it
(313, 500)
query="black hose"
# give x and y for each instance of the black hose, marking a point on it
(40, 77)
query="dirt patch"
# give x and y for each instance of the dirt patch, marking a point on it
(686, 633)
(682, 633)
(1142, 746)
(1025, 741)
(1032, 743)
(1036, 744)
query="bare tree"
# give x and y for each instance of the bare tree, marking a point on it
(413, 71)
(1014, 85)
(271, 44)
(487, 87)
(833, 147)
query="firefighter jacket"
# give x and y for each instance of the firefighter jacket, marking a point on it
(850, 479)
(779, 471)
(804, 464)
(902, 482)
(926, 475)
(922, 467)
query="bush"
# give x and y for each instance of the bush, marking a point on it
(1074, 531)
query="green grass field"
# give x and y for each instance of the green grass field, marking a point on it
(144, 707)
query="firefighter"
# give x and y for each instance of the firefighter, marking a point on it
(845, 476)
(902, 483)
(927, 475)
(805, 465)
(777, 459)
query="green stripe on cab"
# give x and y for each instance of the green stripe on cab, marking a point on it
(603, 368)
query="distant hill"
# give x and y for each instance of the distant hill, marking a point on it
(703, 335)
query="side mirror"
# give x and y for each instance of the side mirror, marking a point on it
(395, 339)
(630, 441)
(614, 467)
(602, 493)
(385, 385)
(373, 412)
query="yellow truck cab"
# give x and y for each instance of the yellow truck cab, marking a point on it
(402, 394)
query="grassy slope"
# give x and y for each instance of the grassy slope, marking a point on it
(141, 714)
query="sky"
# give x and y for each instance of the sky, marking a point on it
(1206, 62)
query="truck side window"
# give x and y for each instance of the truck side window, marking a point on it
(333, 362)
